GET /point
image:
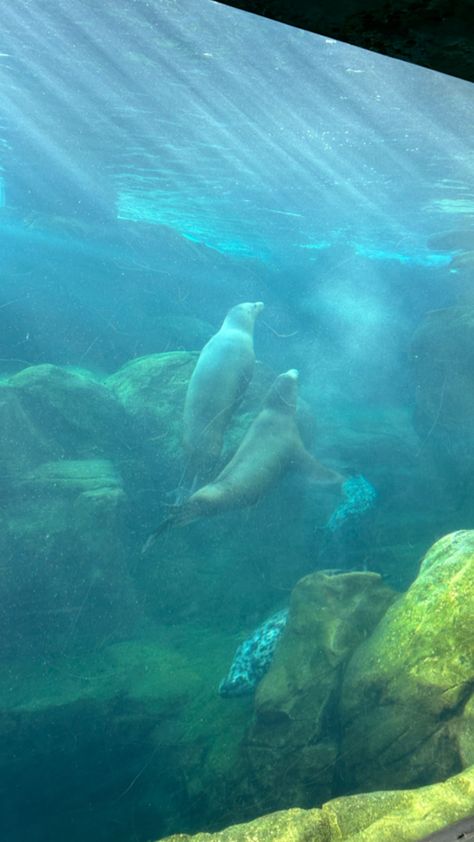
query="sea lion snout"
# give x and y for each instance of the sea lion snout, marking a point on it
(259, 306)
(293, 373)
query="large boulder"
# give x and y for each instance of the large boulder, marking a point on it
(48, 413)
(67, 576)
(407, 700)
(290, 753)
(398, 816)
(72, 413)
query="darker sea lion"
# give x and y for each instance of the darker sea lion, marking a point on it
(271, 446)
(222, 373)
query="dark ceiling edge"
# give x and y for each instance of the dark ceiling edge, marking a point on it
(438, 34)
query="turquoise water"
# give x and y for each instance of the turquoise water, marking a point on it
(160, 163)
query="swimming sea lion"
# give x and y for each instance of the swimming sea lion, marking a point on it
(271, 446)
(222, 373)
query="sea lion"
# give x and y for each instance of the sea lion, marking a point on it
(271, 446)
(222, 373)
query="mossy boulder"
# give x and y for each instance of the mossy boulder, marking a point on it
(407, 699)
(74, 411)
(152, 390)
(65, 526)
(48, 413)
(291, 751)
(398, 816)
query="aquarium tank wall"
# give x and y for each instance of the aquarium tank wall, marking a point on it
(236, 435)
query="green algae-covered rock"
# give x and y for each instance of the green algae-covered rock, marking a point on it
(48, 413)
(399, 816)
(291, 751)
(111, 734)
(68, 453)
(80, 502)
(74, 414)
(407, 694)
(152, 389)
(65, 525)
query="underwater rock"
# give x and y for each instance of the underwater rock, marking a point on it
(407, 702)
(291, 750)
(22, 444)
(152, 390)
(88, 727)
(66, 541)
(48, 413)
(67, 449)
(397, 816)
(441, 352)
(72, 413)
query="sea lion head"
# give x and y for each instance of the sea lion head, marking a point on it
(283, 392)
(244, 315)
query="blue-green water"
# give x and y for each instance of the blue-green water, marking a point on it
(161, 162)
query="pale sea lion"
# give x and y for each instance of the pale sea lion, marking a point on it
(222, 373)
(271, 446)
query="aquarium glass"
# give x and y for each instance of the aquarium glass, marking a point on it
(236, 545)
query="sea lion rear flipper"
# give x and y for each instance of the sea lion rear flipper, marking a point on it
(315, 471)
(156, 534)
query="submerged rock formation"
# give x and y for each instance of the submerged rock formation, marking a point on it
(407, 701)
(110, 735)
(291, 750)
(398, 816)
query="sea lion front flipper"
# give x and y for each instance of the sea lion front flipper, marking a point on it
(316, 471)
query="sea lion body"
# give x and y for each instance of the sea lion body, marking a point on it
(271, 446)
(219, 380)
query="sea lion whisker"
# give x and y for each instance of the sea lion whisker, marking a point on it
(279, 335)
